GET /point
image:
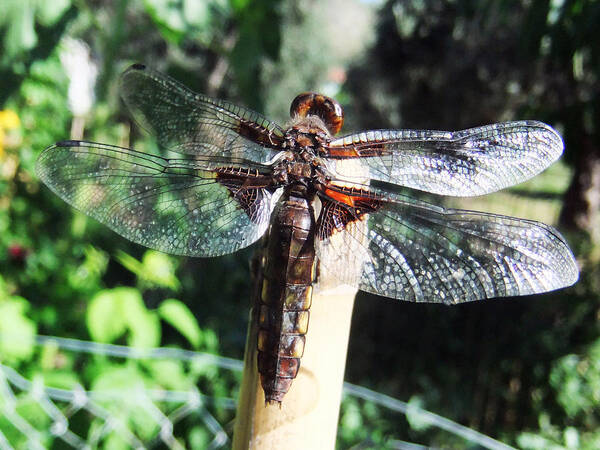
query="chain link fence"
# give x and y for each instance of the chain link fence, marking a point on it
(35, 415)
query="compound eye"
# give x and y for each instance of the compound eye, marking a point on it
(329, 110)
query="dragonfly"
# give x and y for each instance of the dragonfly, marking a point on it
(325, 204)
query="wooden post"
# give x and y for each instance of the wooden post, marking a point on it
(309, 412)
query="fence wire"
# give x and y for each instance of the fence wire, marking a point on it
(60, 405)
(164, 407)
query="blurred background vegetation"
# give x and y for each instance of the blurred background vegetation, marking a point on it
(524, 371)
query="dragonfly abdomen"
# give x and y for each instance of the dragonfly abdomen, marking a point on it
(286, 294)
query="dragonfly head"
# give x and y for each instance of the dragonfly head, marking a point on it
(327, 109)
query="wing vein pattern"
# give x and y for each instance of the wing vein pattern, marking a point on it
(415, 251)
(194, 124)
(176, 206)
(464, 163)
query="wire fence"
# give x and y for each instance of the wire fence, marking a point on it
(59, 408)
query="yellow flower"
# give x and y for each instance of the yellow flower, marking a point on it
(8, 121)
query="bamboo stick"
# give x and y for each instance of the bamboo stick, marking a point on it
(308, 416)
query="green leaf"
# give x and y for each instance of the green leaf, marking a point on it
(20, 35)
(126, 378)
(114, 441)
(143, 325)
(169, 374)
(160, 269)
(130, 263)
(130, 405)
(571, 437)
(113, 312)
(196, 13)
(144, 329)
(415, 415)
(48, 355)
(351, 417)
(17, 331)
(167, 16)
(61, 379)
(89, 273)
(155, 269)
(3, 288)
(239, 5)
(48, 13)
(104, 315)
(211, 341)
(534, 442)
(199, 437)
(178, 315)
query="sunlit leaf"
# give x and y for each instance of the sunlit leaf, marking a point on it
(238, 5)
(113, 312)
(195, 12)
(143, 325)
(93, 267)
(168, 17)
(160, 269)
(114, 441)
(351, 418)
(571, 436)
(130, 263)
(178, 315)
(414, 415)
(61, 379)
(169, 374)
(20, 35)
(49, 13)
(127, 379)
(131, 404)
(532, 441)
(156, 268)
(199, 437)
(104, 317)
(48, 355)
(17, 331)
(211, 341)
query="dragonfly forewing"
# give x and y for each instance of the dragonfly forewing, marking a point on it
(176, 206)
(462, 163)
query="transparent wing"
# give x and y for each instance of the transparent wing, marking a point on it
(414, 251)
(462, 163)
(191, 123)
(176, 206)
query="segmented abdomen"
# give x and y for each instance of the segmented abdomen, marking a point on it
(285, 295)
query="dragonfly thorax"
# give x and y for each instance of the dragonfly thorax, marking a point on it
(306, 133)
(297, 167)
